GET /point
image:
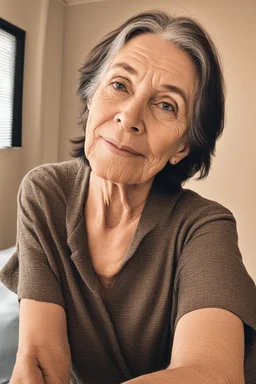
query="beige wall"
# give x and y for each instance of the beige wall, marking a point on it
(50, 116)
(233, 28)
(43, 22)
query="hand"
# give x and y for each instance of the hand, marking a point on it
(27, 371)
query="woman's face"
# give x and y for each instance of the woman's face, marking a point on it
(144, 102)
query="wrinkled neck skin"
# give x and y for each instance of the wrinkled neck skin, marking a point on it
(111, 205)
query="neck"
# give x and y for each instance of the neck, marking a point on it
(115, 205)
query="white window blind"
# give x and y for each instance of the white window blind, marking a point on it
(7, 77)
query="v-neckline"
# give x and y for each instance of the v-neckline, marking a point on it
(159, 203)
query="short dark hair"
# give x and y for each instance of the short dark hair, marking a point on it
(207, 120)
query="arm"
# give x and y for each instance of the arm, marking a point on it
(43, 352)
(208, 348)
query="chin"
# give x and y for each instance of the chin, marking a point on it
(115, 173)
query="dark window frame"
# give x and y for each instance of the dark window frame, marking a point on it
(20, 36)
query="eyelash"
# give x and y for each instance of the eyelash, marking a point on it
(163, 102)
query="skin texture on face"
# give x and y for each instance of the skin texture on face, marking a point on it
(132, 108)
(136, 110)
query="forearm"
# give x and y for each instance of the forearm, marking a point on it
(180, 375)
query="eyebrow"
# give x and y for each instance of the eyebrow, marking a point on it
(170, 88)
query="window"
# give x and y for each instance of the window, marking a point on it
(12, 43)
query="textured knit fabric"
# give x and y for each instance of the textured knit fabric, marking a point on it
(183, 256)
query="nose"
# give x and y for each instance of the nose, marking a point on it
(130, 118)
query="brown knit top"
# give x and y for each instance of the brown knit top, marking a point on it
(183, 256)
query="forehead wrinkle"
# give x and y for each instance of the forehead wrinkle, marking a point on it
(159, 62)
(147, 51)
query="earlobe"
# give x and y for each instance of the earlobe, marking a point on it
(181, 154)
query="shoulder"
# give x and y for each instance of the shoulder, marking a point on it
(52, 193)
(52, 178)
(195, 214)
(197, 206)
(52, 171)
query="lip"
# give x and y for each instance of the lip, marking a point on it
(122, 147)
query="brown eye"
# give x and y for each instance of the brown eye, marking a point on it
(118, 86)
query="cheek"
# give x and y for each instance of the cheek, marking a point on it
(90, 135)
(101, 111)
(95, 119)
(98, 116)
(162, 143)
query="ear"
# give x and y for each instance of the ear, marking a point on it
(181, 153)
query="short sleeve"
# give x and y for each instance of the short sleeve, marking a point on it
(211, 273)
(32, 271)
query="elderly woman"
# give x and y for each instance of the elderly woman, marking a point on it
(121, 274)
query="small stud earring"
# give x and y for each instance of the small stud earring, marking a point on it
(174, 161)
